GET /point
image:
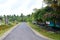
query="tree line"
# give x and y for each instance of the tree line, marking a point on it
(7, 19)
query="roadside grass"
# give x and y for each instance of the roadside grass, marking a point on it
(44, 32)
(4, 28)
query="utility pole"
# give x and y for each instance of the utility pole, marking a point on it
(6, 20)
(42, 4)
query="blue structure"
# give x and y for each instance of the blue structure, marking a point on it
(52, 24)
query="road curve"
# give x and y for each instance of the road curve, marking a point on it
(23, 32)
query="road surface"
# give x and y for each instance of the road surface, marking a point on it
(22, 32)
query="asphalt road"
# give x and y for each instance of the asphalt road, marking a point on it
(23, 32)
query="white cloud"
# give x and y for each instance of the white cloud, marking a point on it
(10, 7)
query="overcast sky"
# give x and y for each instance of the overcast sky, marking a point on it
(10, 7)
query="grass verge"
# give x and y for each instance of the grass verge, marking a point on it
(4, 28)
(45, 32)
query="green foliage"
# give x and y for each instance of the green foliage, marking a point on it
(39, 14)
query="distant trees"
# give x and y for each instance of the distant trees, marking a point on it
(28, 18)
(7, 19)
(22, 17)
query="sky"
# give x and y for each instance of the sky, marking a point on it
(11, 7)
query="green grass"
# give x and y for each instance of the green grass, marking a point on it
(4, 28)
(44, 32)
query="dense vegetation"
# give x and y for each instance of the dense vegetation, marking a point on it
(50, 13)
